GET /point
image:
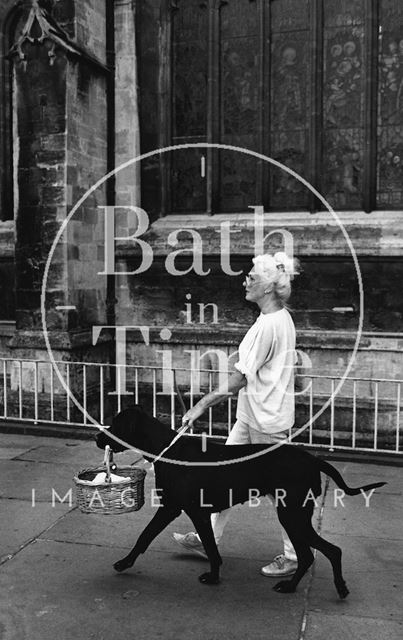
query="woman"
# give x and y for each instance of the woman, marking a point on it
(264, 381)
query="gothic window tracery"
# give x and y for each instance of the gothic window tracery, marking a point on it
(315, 84)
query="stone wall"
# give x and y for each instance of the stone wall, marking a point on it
(86, 164)
(325, 303)
(42, 130)
(7, 271)
(61, 135)
(127, 132)
(62, 142)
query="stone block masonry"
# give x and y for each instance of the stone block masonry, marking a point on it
(62, 141)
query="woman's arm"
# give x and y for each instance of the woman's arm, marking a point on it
(302, 381)
(235, 382)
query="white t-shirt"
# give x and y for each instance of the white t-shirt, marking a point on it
(266, 358)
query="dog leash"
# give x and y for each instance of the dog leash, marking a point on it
(178, 391)
(176, 438)
(183, 429)
(180, 432)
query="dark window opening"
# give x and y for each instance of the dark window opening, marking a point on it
(7, 116)
(315, 84)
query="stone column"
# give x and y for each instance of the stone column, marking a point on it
(61, 114)
(126, 103)
(128, 192)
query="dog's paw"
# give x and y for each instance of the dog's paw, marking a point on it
(122, 565)
(342, 590)
(285, 586)
(209, 578)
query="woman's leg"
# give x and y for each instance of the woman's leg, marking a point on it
(239, 435)
(258, 437)
(289, 551)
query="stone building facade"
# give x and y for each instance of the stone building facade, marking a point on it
(316, 85)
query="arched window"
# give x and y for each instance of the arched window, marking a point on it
(315, 84)
(7, 120)
(8, 29)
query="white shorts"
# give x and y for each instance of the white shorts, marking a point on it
(241, 433)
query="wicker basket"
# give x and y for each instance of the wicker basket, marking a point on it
(110, 498)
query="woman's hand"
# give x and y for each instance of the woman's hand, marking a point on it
(192, 415)
(234, 383)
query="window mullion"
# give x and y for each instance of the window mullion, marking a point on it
(263, 93)
(213, 104)
(316, 101)
(266, 108)
(168, 9)
(370, 113)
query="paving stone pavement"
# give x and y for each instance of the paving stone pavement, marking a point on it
(57, 580)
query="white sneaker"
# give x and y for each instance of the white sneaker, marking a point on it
(280, 566)
(191, 542)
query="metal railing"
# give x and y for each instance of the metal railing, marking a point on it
(355, 414)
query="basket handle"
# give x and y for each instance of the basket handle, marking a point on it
(107, 463)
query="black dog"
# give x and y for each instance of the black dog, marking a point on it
(200, 490)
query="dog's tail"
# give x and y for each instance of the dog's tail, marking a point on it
(336, 476)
